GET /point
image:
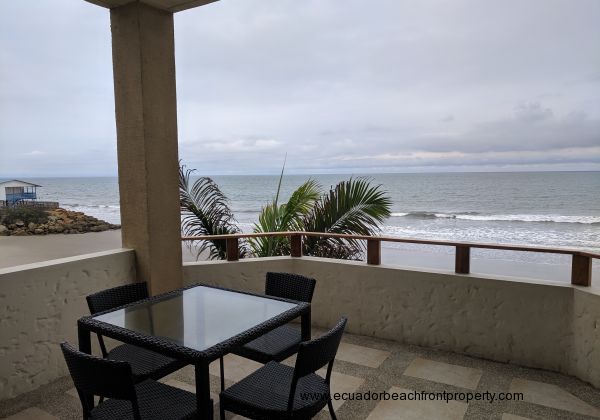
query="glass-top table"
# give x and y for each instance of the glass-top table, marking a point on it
(197, 324)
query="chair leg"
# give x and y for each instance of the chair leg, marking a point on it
(331, 412)
(222, 366)
(221, 412)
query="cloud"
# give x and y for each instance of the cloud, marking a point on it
(398, 85)
(532, 111)
(234, 146)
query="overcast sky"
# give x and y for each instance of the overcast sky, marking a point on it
(340, 85)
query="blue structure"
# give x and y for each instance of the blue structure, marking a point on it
(14, 192)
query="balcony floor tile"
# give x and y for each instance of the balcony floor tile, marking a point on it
(444, 373)
(32, 413)
(368, 365)
(550, 395)
(417, 410)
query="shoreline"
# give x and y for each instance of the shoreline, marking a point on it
(20, 250)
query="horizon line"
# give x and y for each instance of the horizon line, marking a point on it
(315, 173)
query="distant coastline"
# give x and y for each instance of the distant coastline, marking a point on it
(554, 209)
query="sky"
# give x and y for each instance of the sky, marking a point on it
(340, 86)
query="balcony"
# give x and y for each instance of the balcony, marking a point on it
(409, 329)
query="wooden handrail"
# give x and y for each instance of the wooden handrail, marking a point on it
(506, 247)
(581, 272)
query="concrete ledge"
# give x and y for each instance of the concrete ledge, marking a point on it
(533, 323)
(60, 261)
(39, 307)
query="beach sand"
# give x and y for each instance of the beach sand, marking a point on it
(19, 250)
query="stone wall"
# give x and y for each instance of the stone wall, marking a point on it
(39, 307)
(531, 323)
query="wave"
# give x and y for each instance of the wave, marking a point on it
(546, 218)
(90, 206)
(96, 209)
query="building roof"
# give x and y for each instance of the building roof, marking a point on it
(17, 183)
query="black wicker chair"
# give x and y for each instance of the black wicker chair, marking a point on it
(113, 380)
(282, 342)
(278, 391)
(145, 364)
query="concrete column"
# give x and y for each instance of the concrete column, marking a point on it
(146, 113)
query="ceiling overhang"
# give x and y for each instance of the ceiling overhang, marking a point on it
(168, 5)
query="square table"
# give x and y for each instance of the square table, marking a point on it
(197, 324)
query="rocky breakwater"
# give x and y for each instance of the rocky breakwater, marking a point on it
(36, 222)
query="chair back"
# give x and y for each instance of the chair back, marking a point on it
(316, 353)
(290, 286)
(117, 296)
(113, 298)
(102, 377)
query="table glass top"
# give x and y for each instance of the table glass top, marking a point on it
(199, 317)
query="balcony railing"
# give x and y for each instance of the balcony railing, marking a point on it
(44, 205)
(581, 263)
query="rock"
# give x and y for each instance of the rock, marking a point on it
(56, 228)
(59, 221)
(99, 228)
(4, 231)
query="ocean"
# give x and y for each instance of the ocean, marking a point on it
(555, 209)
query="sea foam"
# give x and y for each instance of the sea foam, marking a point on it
(554, 218)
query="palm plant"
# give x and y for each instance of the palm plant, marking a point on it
(353, 207)
(205, 211)
(276, 217)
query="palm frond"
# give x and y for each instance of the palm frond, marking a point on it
(205, 211)
(353, 207)
(282, 218)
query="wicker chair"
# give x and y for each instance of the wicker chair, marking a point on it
(278, 391)
(282, 342)
(145, 364)
(112, 379)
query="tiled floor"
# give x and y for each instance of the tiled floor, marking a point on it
(368, 366)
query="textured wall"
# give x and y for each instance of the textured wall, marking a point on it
(39, 307)
(534, 324)
(585, 354)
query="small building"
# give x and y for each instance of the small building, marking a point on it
(17, 192)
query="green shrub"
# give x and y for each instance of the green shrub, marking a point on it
(27, 215)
